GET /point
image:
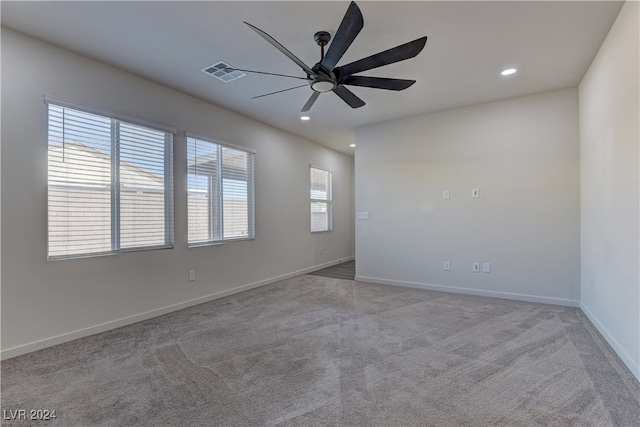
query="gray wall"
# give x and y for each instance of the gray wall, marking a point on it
(44, 303)
(610, 187)
(522, 154)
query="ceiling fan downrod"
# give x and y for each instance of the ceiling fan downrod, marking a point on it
(322, 38)
(323, 80)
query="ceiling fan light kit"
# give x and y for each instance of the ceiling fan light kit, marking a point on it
(325, 76)
(323, 85)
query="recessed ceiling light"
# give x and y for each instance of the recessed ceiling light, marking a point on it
(508, 71)
(352, 145)
(305, 118)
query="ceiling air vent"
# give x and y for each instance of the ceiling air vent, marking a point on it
(223, 71)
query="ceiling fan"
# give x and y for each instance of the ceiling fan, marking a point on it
(325, 76)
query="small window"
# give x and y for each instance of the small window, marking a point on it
(110, 184)
(220, 192)
(321, 195)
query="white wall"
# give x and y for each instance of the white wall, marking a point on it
(44, 303)
(521, 153)
(609, 199)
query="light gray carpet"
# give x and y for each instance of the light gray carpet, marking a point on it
(319, 351)
(345, 270)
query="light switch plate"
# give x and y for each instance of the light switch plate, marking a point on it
(475, 192)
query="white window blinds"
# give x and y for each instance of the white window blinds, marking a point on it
(110, 184)
(320, 184)
(220, 194)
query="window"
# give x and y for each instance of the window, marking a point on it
(110, 183)
(220, 192)
(320, 200)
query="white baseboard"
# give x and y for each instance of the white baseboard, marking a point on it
(478, 292)
(107, 326)
(620, 351)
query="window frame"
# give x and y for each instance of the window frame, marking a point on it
(116, 120)
(218, 200)
(328, 202)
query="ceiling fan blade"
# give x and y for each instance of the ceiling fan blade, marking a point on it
(349, 28)
(263, 72)
(310, 102)
(348, 97)
(281, 48)
(378, 82)
(396, 54)
(279, 91)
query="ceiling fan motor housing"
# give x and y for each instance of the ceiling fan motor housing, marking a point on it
(322, 80)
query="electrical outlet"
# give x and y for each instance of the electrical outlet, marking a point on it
(192, 275)
(446, 266)
(476, 267)
(486, 267)
(446, 195)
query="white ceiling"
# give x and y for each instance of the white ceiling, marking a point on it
(552, 43)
